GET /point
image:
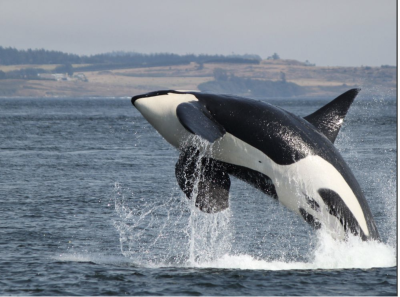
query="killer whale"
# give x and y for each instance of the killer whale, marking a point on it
(289, 158)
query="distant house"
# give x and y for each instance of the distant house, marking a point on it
(62, 76)
(307, 63)
(80, 76)
(47, 76)
(53, 76)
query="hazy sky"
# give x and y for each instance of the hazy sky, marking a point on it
(325, 32)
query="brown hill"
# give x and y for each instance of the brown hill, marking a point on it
(313, 81)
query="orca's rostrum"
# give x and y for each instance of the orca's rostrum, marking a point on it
(289, 158)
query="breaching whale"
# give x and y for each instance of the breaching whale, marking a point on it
(290, 158)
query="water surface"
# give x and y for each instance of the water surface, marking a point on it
(90, 206)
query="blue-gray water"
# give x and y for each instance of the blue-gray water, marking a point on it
(90, 205)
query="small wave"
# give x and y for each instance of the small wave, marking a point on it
(94, 258)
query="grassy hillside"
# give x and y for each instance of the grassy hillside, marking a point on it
(239, 78)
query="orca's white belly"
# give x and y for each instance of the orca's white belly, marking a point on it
(294, 182)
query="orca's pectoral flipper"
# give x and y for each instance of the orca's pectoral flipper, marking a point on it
(204, 179)
(198, 120)
(329, 118)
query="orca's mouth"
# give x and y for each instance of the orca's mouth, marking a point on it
(153, 94)
(134, 98)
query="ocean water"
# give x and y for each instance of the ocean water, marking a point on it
(90, 206)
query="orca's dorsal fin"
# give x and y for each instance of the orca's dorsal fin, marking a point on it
(198, 120)
(329, 118)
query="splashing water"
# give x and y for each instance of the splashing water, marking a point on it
(210, 235)
(176, 233)
(329, 254)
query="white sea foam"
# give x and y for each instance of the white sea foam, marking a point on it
(329, 254)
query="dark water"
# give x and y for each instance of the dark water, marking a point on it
(90, 205)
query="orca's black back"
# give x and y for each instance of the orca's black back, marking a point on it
(283, 137)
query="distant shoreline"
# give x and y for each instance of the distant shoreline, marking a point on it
(245, 79)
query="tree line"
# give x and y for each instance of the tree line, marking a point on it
(13, 56)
